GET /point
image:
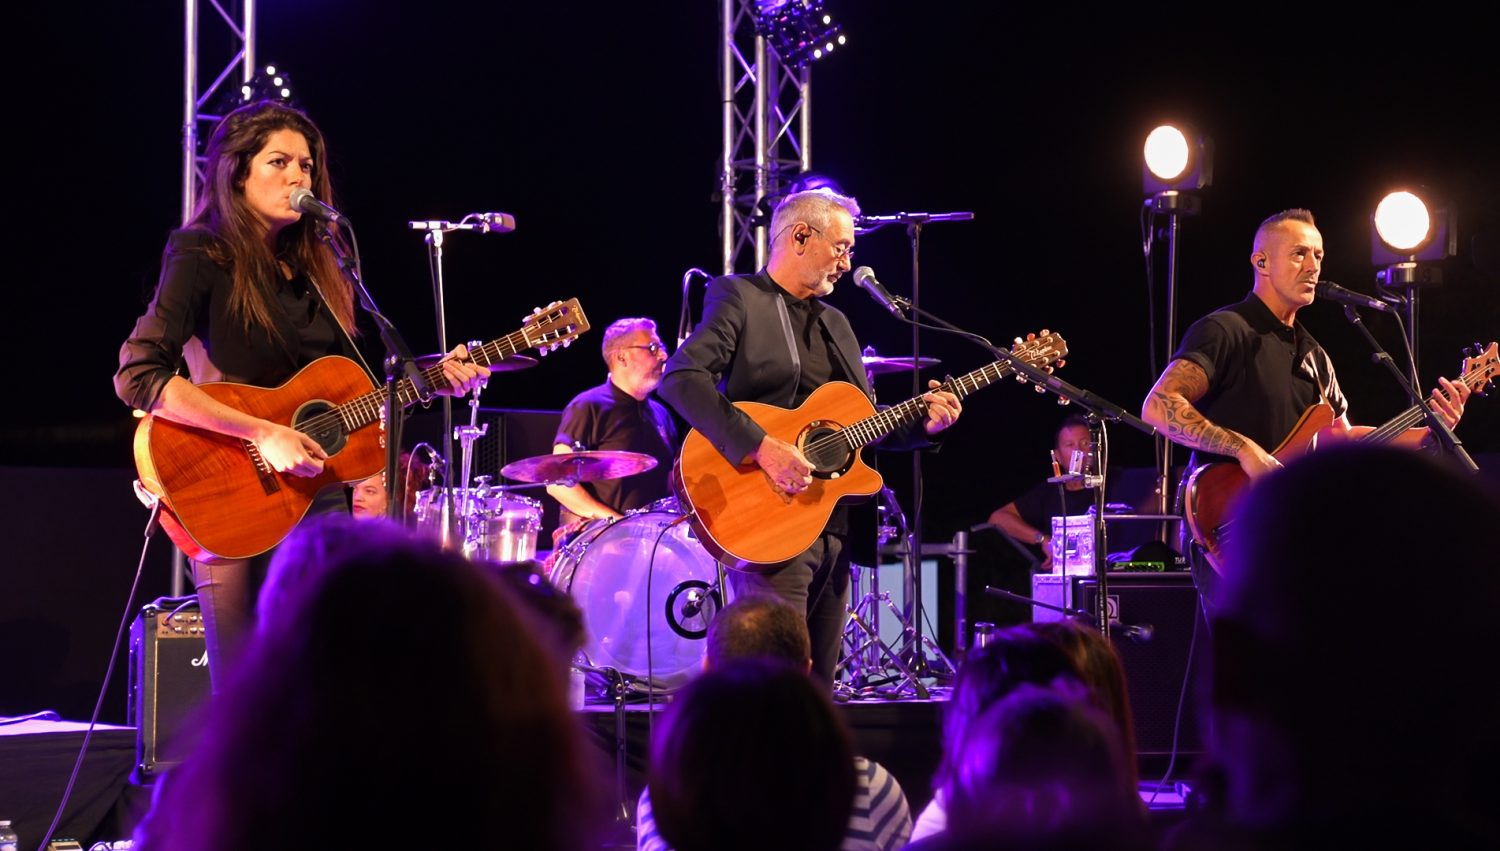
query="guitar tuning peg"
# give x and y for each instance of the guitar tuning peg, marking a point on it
(1030, 337)
(1062, 400)
(1046, 333)
(1039, 388)
(1061, 363)
(568, 342)
(1018, 341)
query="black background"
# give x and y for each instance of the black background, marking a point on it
(599, 129)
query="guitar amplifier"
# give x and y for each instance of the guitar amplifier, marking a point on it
(1157, 665)
(168, 681)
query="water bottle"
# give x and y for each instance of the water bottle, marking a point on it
(8, 839)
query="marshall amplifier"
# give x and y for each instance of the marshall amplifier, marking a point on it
(168, 680)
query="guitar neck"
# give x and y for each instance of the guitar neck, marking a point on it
(873, 428)
(367, 408)
(1413, 416)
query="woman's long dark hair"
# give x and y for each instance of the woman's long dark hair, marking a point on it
(240, 245)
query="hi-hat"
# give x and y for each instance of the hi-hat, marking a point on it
(510, 364)
(590, 466)
(877, 365)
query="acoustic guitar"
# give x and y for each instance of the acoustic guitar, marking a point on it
(1212, 491)
(738, 512)
(221, 500)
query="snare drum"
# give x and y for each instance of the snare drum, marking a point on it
(606, 569)
(499, 526)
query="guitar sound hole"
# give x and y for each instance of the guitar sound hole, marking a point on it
(831, 458)
(328, 431)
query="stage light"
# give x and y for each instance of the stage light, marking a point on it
(798, 31)
(1406, 228)
(1176, 158)
(269, 84)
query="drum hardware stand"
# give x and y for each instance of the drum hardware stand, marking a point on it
(618, 689)
(869, 660)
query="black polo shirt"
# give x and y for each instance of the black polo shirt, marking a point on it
(608, 418)
(1262, 375)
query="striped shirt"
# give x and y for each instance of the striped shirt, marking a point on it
(880, 820)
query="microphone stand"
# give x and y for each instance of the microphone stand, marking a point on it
(914, 223)
(1435, 424)
(398, 363)
(435, 230)
(1100, 411)
(684, 317)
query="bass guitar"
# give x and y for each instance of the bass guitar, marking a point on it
(1212, 491)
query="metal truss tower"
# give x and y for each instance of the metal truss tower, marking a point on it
(767, 132)
(241, 42)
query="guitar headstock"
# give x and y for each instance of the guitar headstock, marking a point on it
(1481, 365)
(1044, 351)
(555, 326)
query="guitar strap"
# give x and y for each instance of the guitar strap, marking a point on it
(791, 345)
(348, 339)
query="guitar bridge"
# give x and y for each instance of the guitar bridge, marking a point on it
(263, 472)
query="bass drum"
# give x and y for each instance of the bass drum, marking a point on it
(607, 568)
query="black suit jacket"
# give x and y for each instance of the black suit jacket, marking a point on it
(743, 351)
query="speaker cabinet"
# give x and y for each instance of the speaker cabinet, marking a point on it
(1158, 668)
(168, 681)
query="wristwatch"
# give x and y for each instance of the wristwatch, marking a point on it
(1040, 538)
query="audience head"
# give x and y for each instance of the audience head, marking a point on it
(1100, 670)
(758, 627)
(1013, 657)
(1348, 654)
(1043, 767)
(388, 680)
(752, 755)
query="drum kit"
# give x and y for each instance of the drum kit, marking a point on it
(645, 585)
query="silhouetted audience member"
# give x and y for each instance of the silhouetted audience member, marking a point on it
(763, 627)
(758, 627)
(751, 755)
(1043, 767)
(1352, 652)
(393, 694)
(1100, 670)
(1013, 657)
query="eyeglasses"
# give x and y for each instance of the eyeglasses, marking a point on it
(840, 251)
(653, 348)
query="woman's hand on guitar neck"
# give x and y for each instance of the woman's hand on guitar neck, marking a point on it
(785, 464)
(290, 451)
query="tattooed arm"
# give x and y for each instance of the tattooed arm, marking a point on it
(1169, 408)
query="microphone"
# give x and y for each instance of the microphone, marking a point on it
(495, 222)
(864, 276)
(303, 201)
(1334, 292)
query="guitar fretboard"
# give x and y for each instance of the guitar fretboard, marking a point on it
(871, 429)
(1414, 415)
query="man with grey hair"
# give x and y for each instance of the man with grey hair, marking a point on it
(619, 415)
(769, 338)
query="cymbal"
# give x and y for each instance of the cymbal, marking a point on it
(877, 365)
(510, 364)
(590, 466)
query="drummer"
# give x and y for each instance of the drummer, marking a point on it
(618, 415)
